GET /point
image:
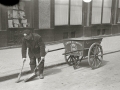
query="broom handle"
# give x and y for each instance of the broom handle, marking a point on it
(46, 53)
(23, 65)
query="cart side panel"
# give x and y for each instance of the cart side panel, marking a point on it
(88, 43)
(73, 45)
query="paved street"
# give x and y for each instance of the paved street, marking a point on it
(11, 60)
(66, 78)
(63, 77)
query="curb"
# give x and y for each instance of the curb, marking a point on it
(57, 42)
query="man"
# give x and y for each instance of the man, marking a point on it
(36, 50)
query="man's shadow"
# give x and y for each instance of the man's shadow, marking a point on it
(15, 75)
(51, 71)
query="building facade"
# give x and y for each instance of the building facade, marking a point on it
(59, 19)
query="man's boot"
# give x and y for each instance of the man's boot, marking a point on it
(41, 76)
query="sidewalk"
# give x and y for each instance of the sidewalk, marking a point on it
(11, 61)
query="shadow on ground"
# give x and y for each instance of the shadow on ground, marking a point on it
(12, 76)
(52, 71)
(47, 72)
(104, 63)
(85, 64)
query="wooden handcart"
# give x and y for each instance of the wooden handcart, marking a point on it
(77, 49)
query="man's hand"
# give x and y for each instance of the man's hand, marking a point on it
(24, 59)
(42, 58)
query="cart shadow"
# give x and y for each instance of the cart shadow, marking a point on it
(85, 64)
(104, 63)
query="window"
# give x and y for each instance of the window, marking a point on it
(106, 11)
(19, 15)
(61, 12)
(96, 11)
(76, 12)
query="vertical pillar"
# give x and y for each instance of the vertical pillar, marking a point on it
(52, 13)
(114, 16)
(86, 18)
(35, 14)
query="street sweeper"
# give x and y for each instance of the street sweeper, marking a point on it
(36, 51)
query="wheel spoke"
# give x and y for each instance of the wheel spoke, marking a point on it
(100, 54)
(93, 62)
(75, 60)
(99, 59)
(97, 49)
(91, 56)
(68, 58)
(92, 51)
(71, 60)
(100, 50)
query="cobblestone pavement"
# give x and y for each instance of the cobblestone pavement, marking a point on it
(10, 65)
(11, 60)
(64, 77)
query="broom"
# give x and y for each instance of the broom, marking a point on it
(19, 76)
(33, 74)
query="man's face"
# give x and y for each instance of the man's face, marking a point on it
(27, 37)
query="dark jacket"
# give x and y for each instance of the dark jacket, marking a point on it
(36, 47)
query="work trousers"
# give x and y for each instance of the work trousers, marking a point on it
(33, 64)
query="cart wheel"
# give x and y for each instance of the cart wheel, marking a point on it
(95, 55)
(69, 59)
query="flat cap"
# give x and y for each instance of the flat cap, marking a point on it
(27, 31)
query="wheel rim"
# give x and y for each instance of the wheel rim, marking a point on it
(95, 55)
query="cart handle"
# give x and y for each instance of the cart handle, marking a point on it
(55, 49)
